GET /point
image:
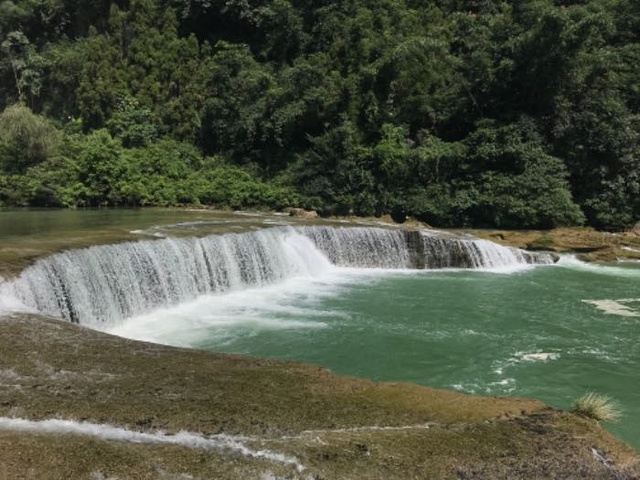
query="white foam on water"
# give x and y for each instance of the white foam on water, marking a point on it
(508, 269)
(519, 358)
(502, 386)
(103, 286)
(290, 305)
(503, 270)
(295, 304)
(472, 388)
(615, 307)
(597, 353)
(572, 262)
(538, 356)
(221, 443)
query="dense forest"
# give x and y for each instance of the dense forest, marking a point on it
(515, 114)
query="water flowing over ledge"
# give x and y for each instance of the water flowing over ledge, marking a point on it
(103, 285)
(221, 443)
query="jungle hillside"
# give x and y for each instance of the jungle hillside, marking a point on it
(460, 113)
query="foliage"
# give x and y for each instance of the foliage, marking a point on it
(335, 173)
(516, 180)
(133, 123)
(512, 114)
(26, 65)
(26, 139)
(96, 170)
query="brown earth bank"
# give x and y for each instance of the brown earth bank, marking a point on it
(334, 427)
(590, 245)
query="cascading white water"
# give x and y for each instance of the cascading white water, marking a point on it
(448, 252)
(106, 284)
(361, 247)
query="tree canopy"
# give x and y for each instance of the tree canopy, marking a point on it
(514, 114)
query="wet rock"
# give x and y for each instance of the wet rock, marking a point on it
(415, 245)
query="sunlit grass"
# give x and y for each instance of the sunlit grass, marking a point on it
(598, 407)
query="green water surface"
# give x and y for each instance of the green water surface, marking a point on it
(527, 334)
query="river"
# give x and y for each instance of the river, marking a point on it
(551, 332)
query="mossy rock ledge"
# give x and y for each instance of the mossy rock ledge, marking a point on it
(588, 244)
(311, 423)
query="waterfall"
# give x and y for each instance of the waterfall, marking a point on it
(445, 252)
(108, 283)
(361, 247)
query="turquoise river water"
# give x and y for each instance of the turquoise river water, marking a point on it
(551, 332)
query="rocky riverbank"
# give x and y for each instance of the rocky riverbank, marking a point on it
(124, 403)
(590, 245)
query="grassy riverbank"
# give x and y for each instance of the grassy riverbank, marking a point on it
(51, 369)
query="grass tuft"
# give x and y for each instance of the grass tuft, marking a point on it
(597, 406)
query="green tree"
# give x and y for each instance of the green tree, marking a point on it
(519, 183)
(26, 139)
(133, 124)
(102, 168)
(336, 173)
(26, 65)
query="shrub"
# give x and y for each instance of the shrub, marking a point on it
(601, 408)
(26, 139)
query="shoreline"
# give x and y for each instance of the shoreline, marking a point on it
(335, 427)
(588, 244)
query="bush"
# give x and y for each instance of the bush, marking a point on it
(601, 408)
(26, 139)
(229, 186)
